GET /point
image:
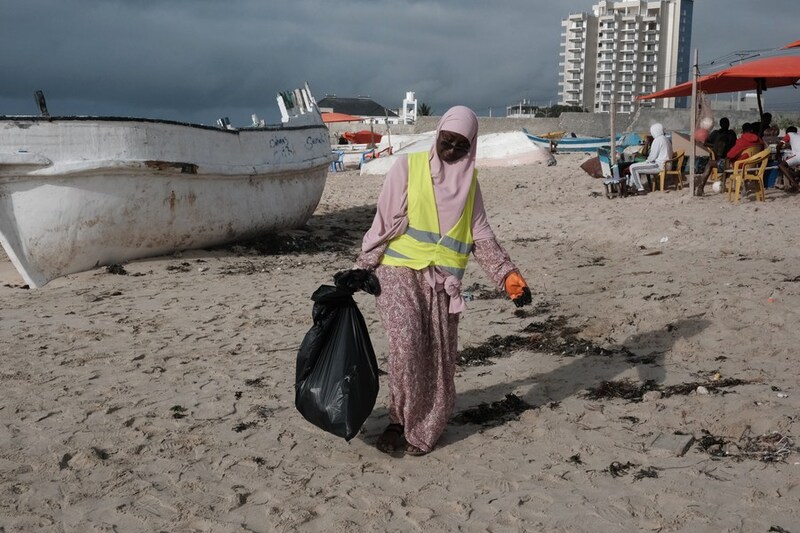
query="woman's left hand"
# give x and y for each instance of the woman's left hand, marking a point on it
(517, 289)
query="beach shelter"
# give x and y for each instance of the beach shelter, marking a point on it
(331, 117)
(761, 74)
(795, 44)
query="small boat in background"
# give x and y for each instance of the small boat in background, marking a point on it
(362, 137)
(80, 192)
(566, 143)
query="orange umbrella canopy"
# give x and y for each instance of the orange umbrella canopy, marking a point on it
(327, 118)
(795, 44)
(754, 75)
(363, 137)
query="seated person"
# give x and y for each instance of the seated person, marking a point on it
(789, 165)
(644, 151)
(766, 130)
(660, 152)
(721, 140)
(748, 139)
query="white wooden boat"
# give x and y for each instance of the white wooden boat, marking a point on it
(570, 144)
(80, 192)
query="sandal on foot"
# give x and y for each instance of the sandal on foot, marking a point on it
(391, 440)
(414, 451)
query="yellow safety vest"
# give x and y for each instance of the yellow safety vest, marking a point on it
(422, 245)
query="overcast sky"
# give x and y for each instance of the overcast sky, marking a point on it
(197, 60)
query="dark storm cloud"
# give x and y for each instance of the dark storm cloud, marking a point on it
(197, 60)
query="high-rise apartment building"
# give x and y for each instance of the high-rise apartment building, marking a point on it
(625, 48)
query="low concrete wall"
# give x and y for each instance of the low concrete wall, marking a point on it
(593, 124)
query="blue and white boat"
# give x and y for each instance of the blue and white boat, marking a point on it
(571, 144)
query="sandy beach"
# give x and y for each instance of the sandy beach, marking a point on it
(652, 386)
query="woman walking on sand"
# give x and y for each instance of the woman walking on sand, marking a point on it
(430, 216)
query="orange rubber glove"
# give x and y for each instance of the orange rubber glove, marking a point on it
(517, 289)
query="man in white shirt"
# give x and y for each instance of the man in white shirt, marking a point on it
(660, 152)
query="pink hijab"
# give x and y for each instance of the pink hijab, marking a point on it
(451, 181)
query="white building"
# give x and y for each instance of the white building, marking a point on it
(408, 113)
(625, 48)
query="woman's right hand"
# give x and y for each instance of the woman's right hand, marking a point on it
(358, 279)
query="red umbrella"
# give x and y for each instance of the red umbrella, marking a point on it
(795, 44)
(760, 74)
(327, 118)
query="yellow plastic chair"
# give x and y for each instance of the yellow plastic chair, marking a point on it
(730, 182)
(672, 167)
(750, 169)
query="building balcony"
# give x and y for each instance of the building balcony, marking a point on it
(574, 49)
(573, 91)
(574, 68)
(575, 59)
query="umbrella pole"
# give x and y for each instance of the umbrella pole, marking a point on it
(693, 123)
(758, 95)
(612, 116)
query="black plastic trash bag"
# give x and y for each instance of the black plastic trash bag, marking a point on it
(337, 374)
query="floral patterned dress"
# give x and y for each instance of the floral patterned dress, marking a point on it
(423, 339)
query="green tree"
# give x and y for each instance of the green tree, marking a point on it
(424, 110)
(556, 110)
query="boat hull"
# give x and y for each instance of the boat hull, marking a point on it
(572, 144)
(77, 194)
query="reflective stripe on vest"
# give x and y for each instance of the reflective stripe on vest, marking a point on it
(422, 245)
